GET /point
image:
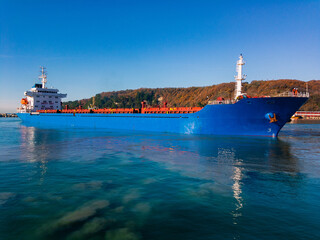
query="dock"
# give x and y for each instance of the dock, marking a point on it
(8, 115)
(308, 115)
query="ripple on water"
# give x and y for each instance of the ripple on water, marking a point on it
(121, 234)
(93, 185)
(6, 196)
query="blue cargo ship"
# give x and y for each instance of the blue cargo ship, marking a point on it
(260, 116)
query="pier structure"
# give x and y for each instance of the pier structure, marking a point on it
(308, 114)
(8, 115)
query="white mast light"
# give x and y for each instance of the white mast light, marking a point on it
(239, 77)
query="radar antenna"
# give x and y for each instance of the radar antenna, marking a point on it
(43, 76)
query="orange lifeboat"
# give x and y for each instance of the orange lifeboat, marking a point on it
(24, 101)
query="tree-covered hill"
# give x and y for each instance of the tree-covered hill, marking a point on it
(198, 96)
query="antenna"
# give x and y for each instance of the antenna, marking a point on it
(43, 76)
(239, 77)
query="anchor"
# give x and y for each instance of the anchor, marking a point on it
(272, 117)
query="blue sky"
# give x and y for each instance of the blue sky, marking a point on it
(94, 46)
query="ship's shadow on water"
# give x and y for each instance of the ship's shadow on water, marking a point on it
(97, 184)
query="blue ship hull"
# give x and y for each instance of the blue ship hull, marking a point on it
(246, 117)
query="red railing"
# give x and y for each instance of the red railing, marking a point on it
(171, 110)
(128, 110)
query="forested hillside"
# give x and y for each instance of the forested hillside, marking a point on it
(198, 96)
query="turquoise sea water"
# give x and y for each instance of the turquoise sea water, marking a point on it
(90, 184)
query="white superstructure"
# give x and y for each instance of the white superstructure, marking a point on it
(239, 78)
(39, 97)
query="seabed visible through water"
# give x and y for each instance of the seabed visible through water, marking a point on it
(91, 184)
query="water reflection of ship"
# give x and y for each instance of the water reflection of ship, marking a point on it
(36, 147)
(221, 164)
(225, 166)
(224, 163)
(198, 154)
(271, 154)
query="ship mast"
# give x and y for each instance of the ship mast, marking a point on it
(239, 77)
(43, 77)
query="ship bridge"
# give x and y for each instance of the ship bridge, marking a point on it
(39, 97)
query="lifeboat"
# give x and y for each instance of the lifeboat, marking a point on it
(24, 101)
